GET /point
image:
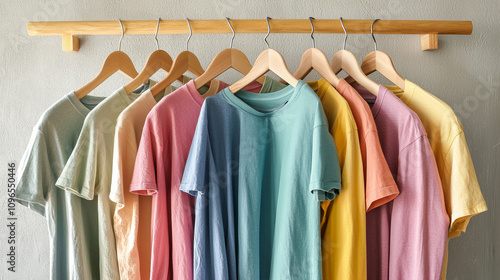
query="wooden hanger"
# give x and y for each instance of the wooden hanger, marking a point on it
(228, 58)
(315, 59)
(157, 60)
(116, 61)
(184, 62)
(381, 62)
(267, 60)
(345, 60)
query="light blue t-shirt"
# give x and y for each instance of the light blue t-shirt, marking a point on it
(259, 166)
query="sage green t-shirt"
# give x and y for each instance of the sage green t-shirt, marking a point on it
(271, 85)
(87, 173)
(72, 221)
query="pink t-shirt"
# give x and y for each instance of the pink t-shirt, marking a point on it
(406, 238)
(163, 150)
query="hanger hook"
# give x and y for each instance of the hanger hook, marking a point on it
(232, 38)
(373, 37)
(345, 33)
(268, 31)
(312, 31)
(121, 38)
(156, 34)
(190, 34)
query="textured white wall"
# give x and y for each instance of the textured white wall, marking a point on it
(464, 72)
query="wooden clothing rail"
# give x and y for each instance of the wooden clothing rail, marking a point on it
(428, 29)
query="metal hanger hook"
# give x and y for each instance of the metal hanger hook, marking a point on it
(312, 31)
(121, 38)
(373, 37)
(232, 38)
(345, 33)
(156, 34)
(190, 34)
(268, 31)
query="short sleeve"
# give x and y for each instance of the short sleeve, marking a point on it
(79, 175)
(144, 179)
(195, 178)
(325, 169)
(380, 187)
(119, 150)
(463, 195)
(35, 175)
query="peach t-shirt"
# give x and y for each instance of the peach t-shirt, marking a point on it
(132, 218)
(166, 139)
(380, 186)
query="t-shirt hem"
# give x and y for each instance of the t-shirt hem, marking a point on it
(147, 189)
(325, 191)
(67, 185)
(384, 195)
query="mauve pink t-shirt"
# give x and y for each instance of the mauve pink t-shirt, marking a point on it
(163, 150)
(406, 238)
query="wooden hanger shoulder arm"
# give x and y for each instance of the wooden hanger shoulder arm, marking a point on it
(321, 65)
(116, 61)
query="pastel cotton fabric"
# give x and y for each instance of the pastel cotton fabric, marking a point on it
(87, 173)
(462, 194)
(161, 157)
(71, 220)
(259, 165)
(406, 238)
(132, 217)
(380, 186)
(343, 220)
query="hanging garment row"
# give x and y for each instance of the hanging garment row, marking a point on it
(261, 179)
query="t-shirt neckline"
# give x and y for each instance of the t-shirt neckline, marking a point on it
(129, 98)
(240, 104)
(379, 100)
(193, 92)
(79, 103)
(321, 86)
(151, 99)
(267, 85)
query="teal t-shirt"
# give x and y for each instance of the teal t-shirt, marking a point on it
(259, 165)
(72, 221)
(87, 174)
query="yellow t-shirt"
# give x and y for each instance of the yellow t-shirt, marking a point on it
(343, 226)
(463, 198)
